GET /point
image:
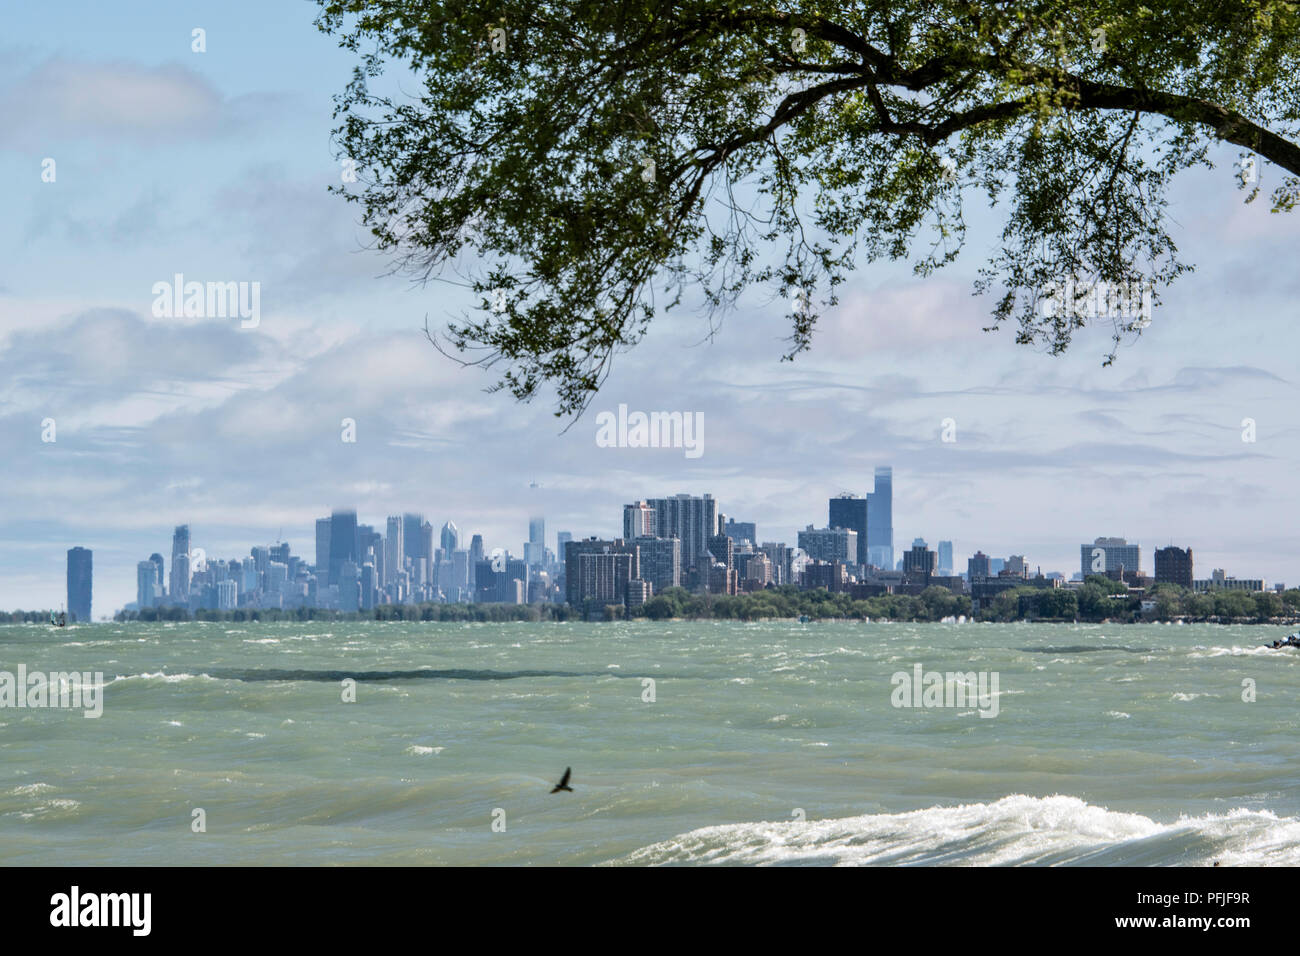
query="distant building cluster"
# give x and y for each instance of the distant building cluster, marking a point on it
(682, 541)
(356, 567)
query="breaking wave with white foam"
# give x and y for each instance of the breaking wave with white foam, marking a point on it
(1016, 830)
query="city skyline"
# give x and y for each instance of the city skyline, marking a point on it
(239, 431)
(655, 517)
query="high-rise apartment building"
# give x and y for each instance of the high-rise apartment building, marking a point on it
(1174, 566)
(691, 520)
(638, 521)
(660, 561)
(578, 580)
(830, 544)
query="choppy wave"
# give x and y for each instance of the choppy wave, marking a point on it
(1016, 830)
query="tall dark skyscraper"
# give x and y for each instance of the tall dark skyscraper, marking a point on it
(880, 520)
(850, 512)
(322, 544)
(343, 542)
(80, 572)
(411, 537)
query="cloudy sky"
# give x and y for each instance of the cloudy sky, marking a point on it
(215, 165)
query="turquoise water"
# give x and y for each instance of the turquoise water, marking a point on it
(765, 743)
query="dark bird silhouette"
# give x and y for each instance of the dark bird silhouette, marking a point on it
(564, 782)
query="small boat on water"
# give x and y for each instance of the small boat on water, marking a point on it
(804, 618)
(61, 620)
(1292, 640)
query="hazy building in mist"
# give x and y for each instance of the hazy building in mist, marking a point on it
(80, 574)
(535, 550)
(450, 538)
(880, 520)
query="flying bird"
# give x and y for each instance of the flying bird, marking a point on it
(564, 782)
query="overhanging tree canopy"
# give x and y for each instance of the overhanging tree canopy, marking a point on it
(601, 158)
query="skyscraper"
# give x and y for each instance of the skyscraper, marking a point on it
(180, 582)
(343, 543)
(945, 559)
(535, 552)
(322, 544)
(160, 569)
(475, 557)
(411, 537)
(1174, 566)
(1106, 555)
(830, 544)
(450, 537)
(880, 520)
(919, 562)
(394, 550)
(850, 512)
(739, 531)
(638, 521)
(80, 573)
(580, 578)
(692, 521)
(146, 594)
(660, 562)
(427, 556)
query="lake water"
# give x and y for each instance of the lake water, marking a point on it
(764, 743)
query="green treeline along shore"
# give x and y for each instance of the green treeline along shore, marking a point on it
(1098, 599)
